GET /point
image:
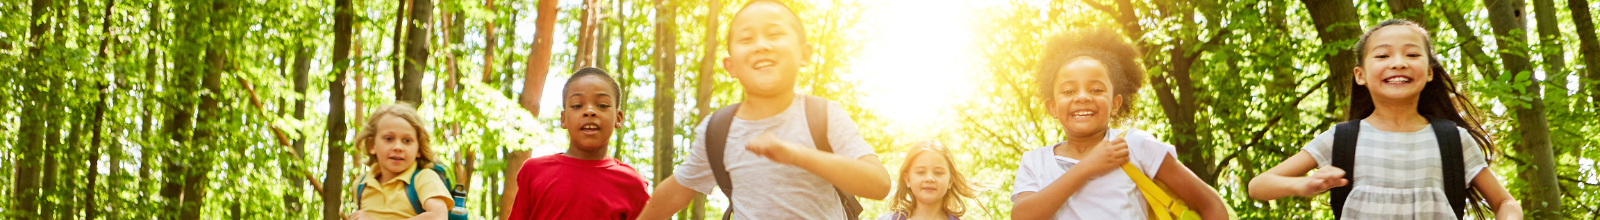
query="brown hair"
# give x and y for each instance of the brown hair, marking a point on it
(960, 188)
(403, 110)
(1439, 99)
(1106, 46)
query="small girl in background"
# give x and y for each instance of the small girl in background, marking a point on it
(930, 186)
(1399, 95)
(398, 153)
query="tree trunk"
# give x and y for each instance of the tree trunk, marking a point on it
(622, 68)
(302, 66)
(1555, 61)
(398, 59)
(536, 68)
(586, 35)
(156, 16)
(189, 48)
(1471, 45)
(25, 189)
(665, 63)
(1337, 21)
(707, 83)
(1589, 48)
(489, 39)
(91, 210)
(198, 178)
(1411, 10)
(1543, 198)
(333, 182)
(416, 52)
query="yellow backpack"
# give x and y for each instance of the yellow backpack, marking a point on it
(1162, 205)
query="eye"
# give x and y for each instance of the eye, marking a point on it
(1381, 56)
(1097, 90)
(407, 140)
(576, 106)
(1413, 55)
(605, 106)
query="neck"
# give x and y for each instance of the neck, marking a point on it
(928, 210)
(574, 151)
(1398, 116)
(383, 175)
(1078, 144)
(761, 107)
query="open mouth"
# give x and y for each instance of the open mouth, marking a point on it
(590, 128)
(397, 159)
(1084, 114)
(1397, 80)
(762, 64)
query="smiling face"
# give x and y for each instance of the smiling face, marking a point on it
(1083, 100)
(1395, 65)
(395, 144)
(589, 113)
(928, 178)
(765, 51)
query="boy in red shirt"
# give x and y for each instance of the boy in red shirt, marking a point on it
(582, 183)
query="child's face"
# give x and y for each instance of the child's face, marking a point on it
(1396, 63)
(764, 51)
(589, 113)
(929, 178)
(395, 144)
(1083, 100)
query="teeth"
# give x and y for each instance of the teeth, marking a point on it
(1083, 113)
(763, 64)
(1398, 80)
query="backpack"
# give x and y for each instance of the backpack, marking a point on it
(1344, 153)
(816, 119)
(459, 194)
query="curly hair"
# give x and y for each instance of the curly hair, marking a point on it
(1106, 46)
(403, 110)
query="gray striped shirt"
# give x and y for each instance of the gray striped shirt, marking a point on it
(1399, 175)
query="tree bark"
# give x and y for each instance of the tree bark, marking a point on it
(1543, 199)
(535, 69)
(707, 83)
(396, 55)
(198, 178)
(1412, 10)
(1471, 46)
(189, 49)
(665, 64)
(489, 39)
(25, 189)
(416, 52)
(586, 35)
(1589, 48)
(302, 66)
(91, 207)
(1337, 21)
(333, 182)
(1555, 61)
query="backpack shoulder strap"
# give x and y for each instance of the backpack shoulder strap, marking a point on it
(411, 192)
(817, 121)
(1455, 186)
(360, 189)
(716, 144)
(1344, 156)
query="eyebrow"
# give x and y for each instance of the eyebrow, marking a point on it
(576, 94)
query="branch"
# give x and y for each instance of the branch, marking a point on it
(1214, 42)
(282, 138)
(1261, 133)
(1570, 179)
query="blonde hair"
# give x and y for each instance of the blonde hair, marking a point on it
(960, 188)
(403, 110)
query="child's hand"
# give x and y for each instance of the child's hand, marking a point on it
(769, 146)
(1325, 178)
(1106, 156)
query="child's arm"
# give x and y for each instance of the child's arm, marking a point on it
(1288, 179)
(1191, 189)
(1104, 158)
(864, 177)
(668, 198)
(434, 209)
(1505, 206)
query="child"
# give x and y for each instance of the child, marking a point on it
(1399, 175)
(582, 183)
(1086, 79)
(774, 165)
(398, 153)
(930, 186)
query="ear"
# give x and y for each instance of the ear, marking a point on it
(1361, 76)
(620, 118)
(728, 67)
(1116, 104)
(563, 117)
(805, 54)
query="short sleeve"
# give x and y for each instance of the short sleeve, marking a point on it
(1321, 148)
(429, 186)
(1149, 152)
(1024, 180)
(695, 171)
(1473, 159)
(843, 134)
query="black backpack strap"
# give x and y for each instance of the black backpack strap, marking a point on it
(716, 145)
(1344, 157)
(817, 120)
(1455, 184)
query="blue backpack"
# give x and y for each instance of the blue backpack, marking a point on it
(459, 212)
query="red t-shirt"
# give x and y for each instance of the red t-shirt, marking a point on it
(561, 187)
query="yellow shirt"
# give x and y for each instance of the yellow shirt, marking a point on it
(389, 201)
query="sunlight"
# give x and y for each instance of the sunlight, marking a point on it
(917, 67)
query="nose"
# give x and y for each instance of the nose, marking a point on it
(1080, 97)
(1399, 65)
(763, 45)
(589, 112)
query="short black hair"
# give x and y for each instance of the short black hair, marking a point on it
(799, 26)
(595, 72)
(1106, 46)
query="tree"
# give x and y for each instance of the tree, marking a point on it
(1589, 48)
(1543, 200)
(705, 84)
(333, 183)
(25, 189)
(1550, 46)
(416, 52)
(664, 55)
(536, 69)
(1338, 27)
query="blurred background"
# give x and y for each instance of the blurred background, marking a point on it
(220, 109)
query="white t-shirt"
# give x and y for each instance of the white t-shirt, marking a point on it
(1112, 195)
(767, 190)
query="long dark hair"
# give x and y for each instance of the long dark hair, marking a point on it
(1439, 99)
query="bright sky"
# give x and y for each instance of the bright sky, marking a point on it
(918, 66)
